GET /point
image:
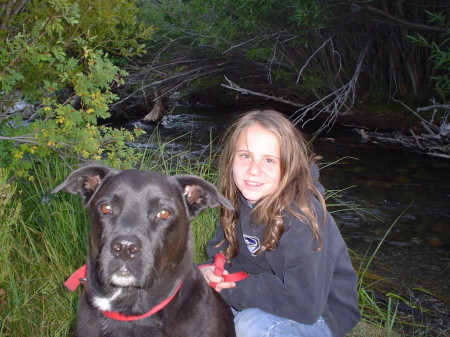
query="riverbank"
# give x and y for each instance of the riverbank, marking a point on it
(415, 277)
(404, 131)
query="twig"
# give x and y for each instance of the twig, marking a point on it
(28, 140)
(415, 113)
(435, 106)
(311, 57)
(22, 139)
(416, 139)
(430, 132)
(234, 86)
(239, 44)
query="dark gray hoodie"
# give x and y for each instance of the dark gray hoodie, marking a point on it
(293, 281)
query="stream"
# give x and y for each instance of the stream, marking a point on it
(393, 194)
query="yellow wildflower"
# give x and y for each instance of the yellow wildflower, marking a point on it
(18, 155)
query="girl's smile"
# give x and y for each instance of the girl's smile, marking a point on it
(251, 183)
(256, 164)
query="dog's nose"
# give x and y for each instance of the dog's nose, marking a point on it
(126, 247)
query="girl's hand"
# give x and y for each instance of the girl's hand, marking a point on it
(208, 274)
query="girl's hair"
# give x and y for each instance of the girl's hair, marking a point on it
(296, 183)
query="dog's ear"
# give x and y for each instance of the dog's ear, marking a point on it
(200, 194)
(84, 181)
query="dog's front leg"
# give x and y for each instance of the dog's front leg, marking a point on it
(88, 322)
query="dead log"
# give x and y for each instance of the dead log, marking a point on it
(158, 111)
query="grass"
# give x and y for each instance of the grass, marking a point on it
(44, 238)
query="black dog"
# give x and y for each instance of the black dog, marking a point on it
(141, 256)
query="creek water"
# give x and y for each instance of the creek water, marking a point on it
(392, 194)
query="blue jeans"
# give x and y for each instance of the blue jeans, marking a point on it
(254, 322)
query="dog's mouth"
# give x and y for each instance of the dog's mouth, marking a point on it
(123, 278)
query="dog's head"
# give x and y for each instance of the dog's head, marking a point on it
(139, 221)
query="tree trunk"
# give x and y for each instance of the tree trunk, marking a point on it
(159, 108)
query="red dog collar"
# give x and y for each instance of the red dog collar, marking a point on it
(79, 276)
(119, 317)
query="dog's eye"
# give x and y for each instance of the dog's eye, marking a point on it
(106, 209)
(163, 214)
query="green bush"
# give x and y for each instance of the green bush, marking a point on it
(57, 55)
(439, 53)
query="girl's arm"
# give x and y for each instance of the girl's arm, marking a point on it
(301, 292)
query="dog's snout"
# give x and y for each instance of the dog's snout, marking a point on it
(126, 247)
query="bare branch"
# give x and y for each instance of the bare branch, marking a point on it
(243, 91)
(240, 44)
(22, 139)
(155, 77)
(345, 95)
(399, 21)
(415, 113)
(329, 40)
(435, 106)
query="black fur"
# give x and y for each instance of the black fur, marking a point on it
(148, 252)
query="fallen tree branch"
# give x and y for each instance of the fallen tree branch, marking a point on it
(435, 106)
(420, 143)
(235, 87)
(434, 131)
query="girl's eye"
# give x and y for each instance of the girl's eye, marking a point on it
(163, 214)
(245, 156)
(106, 209)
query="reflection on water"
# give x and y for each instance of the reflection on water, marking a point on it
(185, 130)
(409, 189)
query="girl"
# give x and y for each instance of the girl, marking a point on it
(301, 281)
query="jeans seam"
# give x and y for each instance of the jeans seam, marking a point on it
(275, 325)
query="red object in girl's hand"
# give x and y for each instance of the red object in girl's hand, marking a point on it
(219, 263)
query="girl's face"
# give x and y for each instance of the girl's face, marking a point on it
(256, 163)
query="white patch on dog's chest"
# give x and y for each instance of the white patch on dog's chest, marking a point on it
(104, 303)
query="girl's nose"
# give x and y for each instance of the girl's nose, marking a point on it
(254, 169)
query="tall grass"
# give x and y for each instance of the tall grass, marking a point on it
(44, 239)
(380, 314)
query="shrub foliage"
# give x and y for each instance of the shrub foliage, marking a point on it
(61, 57)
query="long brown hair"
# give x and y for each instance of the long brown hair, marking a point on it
(296, 183)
